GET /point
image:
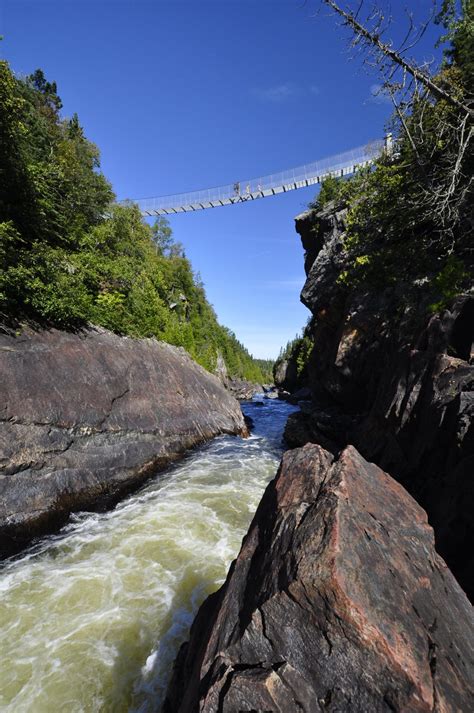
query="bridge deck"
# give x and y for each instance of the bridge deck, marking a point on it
(311, 174)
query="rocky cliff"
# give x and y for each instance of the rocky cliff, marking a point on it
(395, 380)
(337, 601)
(242, 389)
(86, 417)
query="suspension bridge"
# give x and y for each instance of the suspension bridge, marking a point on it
(340, 165)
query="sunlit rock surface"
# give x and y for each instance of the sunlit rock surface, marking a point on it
(337, 601)
(85, 417)
(239, 388)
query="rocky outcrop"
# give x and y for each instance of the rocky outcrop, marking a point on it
(86, 417)
(324, 424)
(285, 375)
(301, 396)
(221, 368)
(241, 389)
(402, 380)
(336, 602)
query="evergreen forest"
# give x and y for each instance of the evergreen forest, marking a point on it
(71, 256)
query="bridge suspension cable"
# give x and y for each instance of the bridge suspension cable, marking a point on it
(342, 164)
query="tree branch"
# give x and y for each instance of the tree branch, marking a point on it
(374, 39)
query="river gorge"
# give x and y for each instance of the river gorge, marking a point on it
(92, 618)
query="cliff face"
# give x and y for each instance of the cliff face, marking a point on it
(337, 601)
(397, 383)
(85, 417)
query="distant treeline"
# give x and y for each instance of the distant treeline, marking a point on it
(70, 256)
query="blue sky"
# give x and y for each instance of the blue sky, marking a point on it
(187, 95)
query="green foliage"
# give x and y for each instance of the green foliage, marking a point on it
(332, 189)
(458, 19)
(68, 256)
(409, 218)
(298, 351)
(392, 236)
(449, 282)
(161, 235)
(303, 354)
(266, 367)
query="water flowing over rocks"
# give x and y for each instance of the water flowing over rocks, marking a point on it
(337, 601)
(85, 417)
(397, 383)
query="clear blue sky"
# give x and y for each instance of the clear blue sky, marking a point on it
(187, 95)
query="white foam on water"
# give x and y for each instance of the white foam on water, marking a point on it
(91, 620)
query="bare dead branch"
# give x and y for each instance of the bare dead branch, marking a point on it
(372, 37)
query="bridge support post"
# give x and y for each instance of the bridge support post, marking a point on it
(388, 144)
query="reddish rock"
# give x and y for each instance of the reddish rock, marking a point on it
(336, 602)
(85, 417)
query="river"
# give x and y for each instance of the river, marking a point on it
(92, 618)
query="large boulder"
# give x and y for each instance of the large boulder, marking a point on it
(337, 601)
(285, 374)
(85, 417)
(406, 378)
(242, 389)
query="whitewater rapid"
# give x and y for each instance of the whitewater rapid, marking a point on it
(92, 618)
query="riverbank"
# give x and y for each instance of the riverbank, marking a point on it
(92, 618)
(88, 416)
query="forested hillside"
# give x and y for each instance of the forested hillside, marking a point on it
(290, 369)
(70, 256)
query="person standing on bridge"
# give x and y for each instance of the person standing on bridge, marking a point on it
(237, 188)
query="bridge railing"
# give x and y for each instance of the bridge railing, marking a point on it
(299, 177)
